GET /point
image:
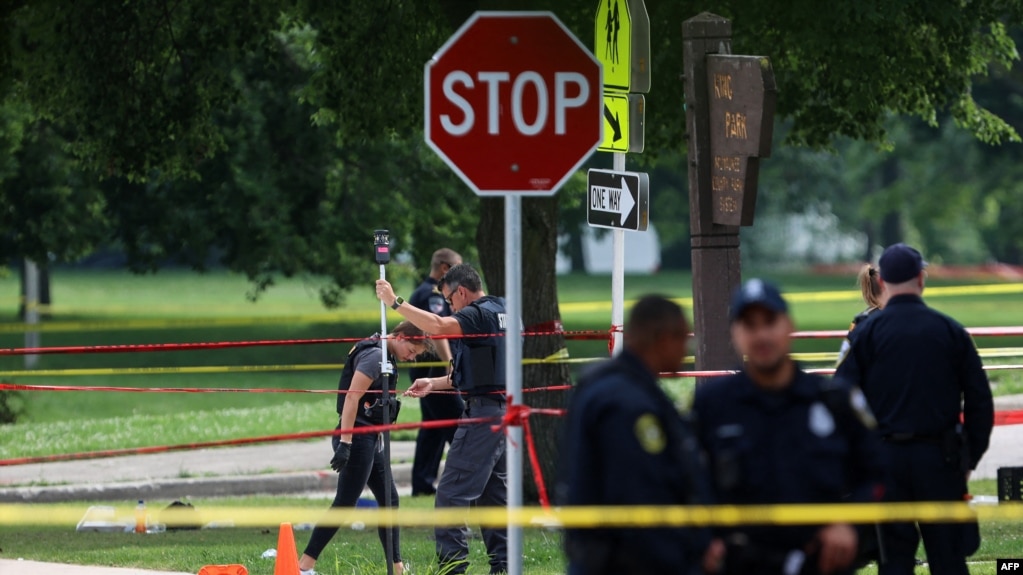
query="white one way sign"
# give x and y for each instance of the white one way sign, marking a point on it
(618, 200)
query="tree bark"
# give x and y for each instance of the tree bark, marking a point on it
(871, 237)
(576, 239)
(892, 231)
(540, 312)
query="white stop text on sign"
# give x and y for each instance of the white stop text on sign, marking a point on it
(528, 84)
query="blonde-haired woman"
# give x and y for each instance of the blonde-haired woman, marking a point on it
(873, 293)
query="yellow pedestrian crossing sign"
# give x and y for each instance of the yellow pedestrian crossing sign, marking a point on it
(623, 44)
(623, 123)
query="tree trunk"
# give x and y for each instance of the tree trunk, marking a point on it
(540, 312)
(576, 239)
(868, 249)
(892, 231)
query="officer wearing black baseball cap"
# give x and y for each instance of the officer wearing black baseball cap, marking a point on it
(776, 434)
(922, 376)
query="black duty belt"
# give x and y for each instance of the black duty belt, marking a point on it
(480, 399)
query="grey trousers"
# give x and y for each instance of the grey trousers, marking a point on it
(474, 473)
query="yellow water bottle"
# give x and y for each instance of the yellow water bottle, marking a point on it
(140, 517)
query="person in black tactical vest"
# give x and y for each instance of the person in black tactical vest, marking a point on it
(475, 470)
(627, 444)
(430, 442)
(924, 379)
(358, 457)
(775, 434)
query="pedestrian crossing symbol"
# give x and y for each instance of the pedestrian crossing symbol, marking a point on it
(614, 43)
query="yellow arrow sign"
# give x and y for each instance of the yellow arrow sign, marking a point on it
(623, 123)
(616, 123)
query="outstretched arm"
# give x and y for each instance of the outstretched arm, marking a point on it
(430, 323)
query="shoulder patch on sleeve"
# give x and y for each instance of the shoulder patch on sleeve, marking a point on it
(650, 434)
(858, 403)
(843, 352)
(436, 303)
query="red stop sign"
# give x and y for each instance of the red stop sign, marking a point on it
(513, 103)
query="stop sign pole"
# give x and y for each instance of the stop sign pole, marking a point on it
(514, 106)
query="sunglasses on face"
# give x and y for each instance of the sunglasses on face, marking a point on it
(448, 297)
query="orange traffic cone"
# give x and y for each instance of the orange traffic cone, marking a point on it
(287, 555)
(233, 569)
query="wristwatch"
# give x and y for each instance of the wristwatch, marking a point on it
(397, 302)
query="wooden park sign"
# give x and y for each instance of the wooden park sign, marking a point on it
(741, 104)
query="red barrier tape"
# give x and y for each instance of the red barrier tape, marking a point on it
(242, 441)
(580, 335)
(518, 415)
(974, 331)
(577, 336)
(1009, 417)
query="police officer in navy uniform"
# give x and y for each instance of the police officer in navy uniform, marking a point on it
(775, 434)
(475, 470)
(924, 380)
(627, 444)
(430, 442)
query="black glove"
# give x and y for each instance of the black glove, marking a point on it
(341, 455)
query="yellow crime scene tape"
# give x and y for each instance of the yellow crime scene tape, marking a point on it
(823, 296)
(370, 315)
(558, 358)
(196, 323)
(566, 517)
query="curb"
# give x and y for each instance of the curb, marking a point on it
(267, 484)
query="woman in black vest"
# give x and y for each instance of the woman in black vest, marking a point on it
(357, 456)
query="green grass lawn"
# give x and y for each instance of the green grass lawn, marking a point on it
(291, 310)
(350, 552)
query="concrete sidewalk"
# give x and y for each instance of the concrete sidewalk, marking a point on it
(17, 567)
(277, 468)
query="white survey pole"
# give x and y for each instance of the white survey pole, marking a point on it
(617, 274)
(513, 366)
(31, 310)
(385, 395)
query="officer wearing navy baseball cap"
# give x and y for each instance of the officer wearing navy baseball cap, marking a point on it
(923, 379)
(760, 293)
(776, 434)
(900, 263)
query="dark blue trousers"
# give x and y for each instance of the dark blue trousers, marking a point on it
(921, 474)
(475, 473)
(430, 442)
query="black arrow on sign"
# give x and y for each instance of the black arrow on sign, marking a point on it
(616, 126)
